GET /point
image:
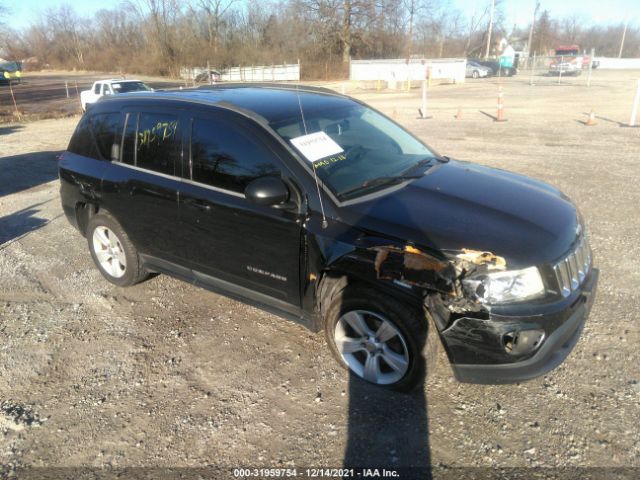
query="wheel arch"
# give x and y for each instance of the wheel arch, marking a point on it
(84, 212)
(332, 281)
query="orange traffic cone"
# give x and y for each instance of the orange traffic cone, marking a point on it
(394, 114)
(591, 121)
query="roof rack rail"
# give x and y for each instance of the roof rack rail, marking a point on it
(282, 86)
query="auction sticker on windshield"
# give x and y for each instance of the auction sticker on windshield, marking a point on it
(315, 146)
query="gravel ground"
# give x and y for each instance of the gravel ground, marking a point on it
(165, 374)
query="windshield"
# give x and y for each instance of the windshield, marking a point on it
(125, 87)
(372, 152)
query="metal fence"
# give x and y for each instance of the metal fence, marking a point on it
(255, 73)
(400, 72)
(548, 69)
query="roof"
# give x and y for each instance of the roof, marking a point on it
(273, 102)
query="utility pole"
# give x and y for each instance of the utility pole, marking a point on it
(533, 21)
(493, 6)
(624, 34)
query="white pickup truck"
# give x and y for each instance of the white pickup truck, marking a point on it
(111, 87)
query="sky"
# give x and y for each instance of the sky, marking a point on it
(24, 12)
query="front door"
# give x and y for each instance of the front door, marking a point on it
(228, 237)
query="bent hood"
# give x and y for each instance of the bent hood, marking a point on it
(461, 205)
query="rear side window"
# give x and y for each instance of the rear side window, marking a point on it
(158, 145)
(224, 156)
(95, 134)
(151, 141)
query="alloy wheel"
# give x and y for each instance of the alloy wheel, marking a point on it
(109, 252)
(372, 346)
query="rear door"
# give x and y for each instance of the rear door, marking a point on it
(141, 188)
(81, 168)
(252, 246)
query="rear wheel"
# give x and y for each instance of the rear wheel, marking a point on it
(380, 339)
(112, 251)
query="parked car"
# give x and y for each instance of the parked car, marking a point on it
(565, 67)
(10, 73)
(475, 70)
(496, 69)
(315, 206)
(213, 76)
(112, 86)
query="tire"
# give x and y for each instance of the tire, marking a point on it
(402, 362)
(475, 74)
(112, 251)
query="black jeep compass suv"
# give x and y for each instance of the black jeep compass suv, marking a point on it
(315, 206)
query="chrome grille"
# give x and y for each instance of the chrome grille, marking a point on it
(571, 271)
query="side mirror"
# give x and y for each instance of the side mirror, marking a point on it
(267, 191)
(115, 152)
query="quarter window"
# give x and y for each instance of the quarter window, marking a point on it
(95, 135)
(83, 142)
(106, 132)
(225, 157)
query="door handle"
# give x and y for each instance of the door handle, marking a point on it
(197, 204)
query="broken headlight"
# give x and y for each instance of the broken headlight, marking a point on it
(505, 287)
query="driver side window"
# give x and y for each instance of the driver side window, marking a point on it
(224, 156)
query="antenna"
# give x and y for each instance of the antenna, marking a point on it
(325, 224)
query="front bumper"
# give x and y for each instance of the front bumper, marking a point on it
(562, 329)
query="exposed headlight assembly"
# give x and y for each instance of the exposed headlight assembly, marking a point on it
(505, 287)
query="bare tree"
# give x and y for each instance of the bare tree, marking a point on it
(161, 15)
(545, 33)
(474, 23)
(215, 11)
(66, 32)
(571, 28)
(414, 8)
(160, 36)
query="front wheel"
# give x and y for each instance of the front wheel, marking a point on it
(380, 339)
(113, 253)
(475, 74)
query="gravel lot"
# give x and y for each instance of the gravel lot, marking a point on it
(165, 374)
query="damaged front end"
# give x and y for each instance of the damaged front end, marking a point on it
(497, 325)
